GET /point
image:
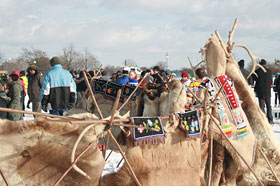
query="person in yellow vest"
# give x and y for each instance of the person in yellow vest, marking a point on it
(25, 81)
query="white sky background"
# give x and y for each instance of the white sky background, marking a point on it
(142, 30)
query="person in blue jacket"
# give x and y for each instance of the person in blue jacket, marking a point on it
(58, 93)
(124, 79)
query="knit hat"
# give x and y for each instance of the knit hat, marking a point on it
(132, 82)
(185, 74)
(54, 61)
(15, 73)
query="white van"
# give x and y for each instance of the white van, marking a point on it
(137, 70)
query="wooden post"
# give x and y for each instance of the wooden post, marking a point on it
(123, 155)
(4, 178)
(193, 70)
(210, 160)
(92, 96)
(115, 106)
(39, 114)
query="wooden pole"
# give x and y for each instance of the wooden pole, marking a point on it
(125, 120)
(210, 160)
(92, 96)
(133, 92)
(123, 155)
(39, 114)
(4, 178)
(193, 70)
(75, 161)
(215, 122)
(115, 106)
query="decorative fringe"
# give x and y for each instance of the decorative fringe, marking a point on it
(151, 140)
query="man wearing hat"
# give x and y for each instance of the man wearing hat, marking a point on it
(263, 89)
(35, 82)
(15, 89)
(124, 79)
(58, 92)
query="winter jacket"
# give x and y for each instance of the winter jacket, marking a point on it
(14, 93)
(123, 80)
(3, 103)
(59, 88)
(35, 83)
(246, 73)
(25, 81)
(263, 82)
(276, 87)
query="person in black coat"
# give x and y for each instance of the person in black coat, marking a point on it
(276, 89)
(263, 89)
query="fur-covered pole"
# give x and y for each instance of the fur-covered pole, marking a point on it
(75, 161)
(193, 70)
(123, 155)
(133, 92)
(92, 96)
(39, 114)
(210, 160)
(115, 106)
(216, 123)
(4, 178)
(272, 170)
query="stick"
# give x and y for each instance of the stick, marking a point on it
(222, 44)
(115, 106)
(108, 155)
(133, 92)
(194, 94)
(83, 97)
(99, 70)
(191, 65)
(92, 96)
(199, 63)
(38, 114)
(4, 178)
(232, 32)
(211, 161)
(106, 121)
(215, 122)
(269, 164)
(75, 161)
(119, 162)
(219, 91)
(123, 155)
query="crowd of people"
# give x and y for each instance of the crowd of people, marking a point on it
(59, 90)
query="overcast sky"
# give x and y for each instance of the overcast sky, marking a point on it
(142, 30)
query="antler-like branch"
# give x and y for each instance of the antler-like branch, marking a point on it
(230, 36)
(253, 58)
(222, 43)
(191, 65)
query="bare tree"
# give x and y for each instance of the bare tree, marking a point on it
(161, 65)
(70, 57)
(87, 61)
(34, 56)
(1, 57)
